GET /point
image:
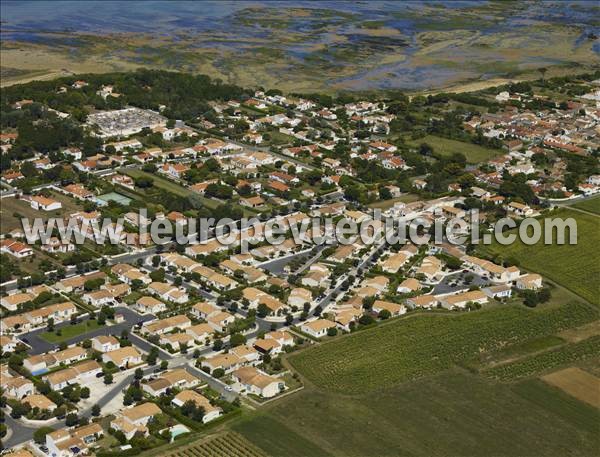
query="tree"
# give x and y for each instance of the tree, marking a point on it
(366, 319)
(218, 373)
(217, 345)
(367, 302)
(71, 419)
(93, 284)
(164, 365)
(139, 374)
(19, 409)
(84, 392)
(332, 331)
(237, 339)
(39, 436)
(384, 193)
(384, 314)
(157, 275)
(96, 410)
(262, 310)
(108, 378)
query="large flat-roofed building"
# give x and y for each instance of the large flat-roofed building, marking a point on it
(124, 122)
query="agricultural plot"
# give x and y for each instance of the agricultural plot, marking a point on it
(444, 146)
(420, 345)
(577, 383)
(454, 414)
(276, 438)
(226, 445)
(547, 360)
(572, 266)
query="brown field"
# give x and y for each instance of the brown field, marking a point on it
(577, 383)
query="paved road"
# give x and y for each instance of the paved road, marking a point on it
(39, 345)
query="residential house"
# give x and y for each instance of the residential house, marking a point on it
(210, 412)
(162, 326)
(149, 305)
(253, 381)
(317, 328)
(531, 281)
(105, 343)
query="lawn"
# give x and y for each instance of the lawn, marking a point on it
(591, 205)
(473, 152)
(420, 345)
(70, 331)
(575, 267)
(457, 414)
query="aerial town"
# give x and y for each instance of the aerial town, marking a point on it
(121, 348)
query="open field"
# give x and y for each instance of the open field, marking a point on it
(591, 205)
(456, 414)
(473, 152)
(578, 383)
(571, 266)
(416, 346)
(224, 445)
(13, 209)
(70, 331)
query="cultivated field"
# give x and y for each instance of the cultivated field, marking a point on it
(578, 383)
(226, 445)
(417, 346)
(572, 266)
(547, 360)
(473, 152)
(453, 414)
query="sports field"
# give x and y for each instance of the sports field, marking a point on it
(572, 266)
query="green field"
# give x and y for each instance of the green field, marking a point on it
(414, 347)
(454, 414)
(70, 331)
(473, 152)
(592, 205)
(159, 181)
(575, 267)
